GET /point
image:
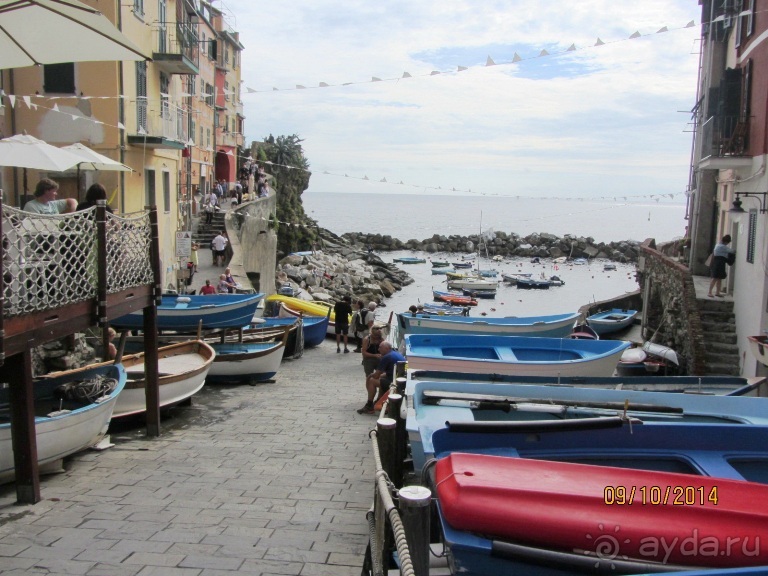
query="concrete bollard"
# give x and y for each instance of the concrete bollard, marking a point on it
(414, 511)
(385, 434)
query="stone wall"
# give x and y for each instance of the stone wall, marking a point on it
(670, 314)
(503, 244)
(254, 244)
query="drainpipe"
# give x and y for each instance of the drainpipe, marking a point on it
(121, 111)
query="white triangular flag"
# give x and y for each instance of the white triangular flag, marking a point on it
(142, 131)
(543, 53)
(516, 57)
(27, 101)
(663, 29)
(383, 180)
(121, 126)
(249, 90)
(489, 61)
(275, 89)
(636, 34)
(461, 68)
(55, 108)
(323, 85)
(406, 75)
(434, 72)
(366, 178)
(300, 87)
(599, 42)
(74, 117)
(571, 48)
(690, 24)
(375, 79)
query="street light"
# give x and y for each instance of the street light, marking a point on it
(737, 209)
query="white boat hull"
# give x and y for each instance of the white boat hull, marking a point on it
(181, 377)
(424, 325)
(261, 365)
(60, 436)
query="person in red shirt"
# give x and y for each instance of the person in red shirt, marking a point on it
(207, 289)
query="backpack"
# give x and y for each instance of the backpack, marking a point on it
(358, 322)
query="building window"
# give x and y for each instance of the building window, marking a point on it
(149, 196)
(141, 96)
(752, 236)
(59, 78)
(138, 7)
(208, 139)
(167, 191)
(165, 103)
(751, 18)
(192, 130)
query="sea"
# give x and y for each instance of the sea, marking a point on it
(408, 216)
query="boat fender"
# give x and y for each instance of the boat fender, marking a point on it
(183, 300)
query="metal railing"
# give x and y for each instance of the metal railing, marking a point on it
(178, 38)
(723, 136)
(161, 118)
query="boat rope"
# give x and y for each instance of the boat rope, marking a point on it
(86, 391)
(383, 487)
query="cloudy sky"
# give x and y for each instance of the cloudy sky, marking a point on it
(596, 121)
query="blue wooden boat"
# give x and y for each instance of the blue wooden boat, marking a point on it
(610, 321)
(432, 403)
(512, 278)
(314, 328)
(479, 293)
(409, 260)
(436, 271)
(458, 265)
(245, 362)
(513, 355)
(184, 313)
(553, 326)
(443, 308)
(532, 284)
(438, 264)
(487, 273)
(505, 499)
(72, 412)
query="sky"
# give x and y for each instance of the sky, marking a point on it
(608, 119)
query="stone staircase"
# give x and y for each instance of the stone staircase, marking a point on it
(203, 233)
(719, 325)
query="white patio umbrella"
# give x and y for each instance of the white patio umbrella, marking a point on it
(25, 151)
(36, 32)
(92, 160)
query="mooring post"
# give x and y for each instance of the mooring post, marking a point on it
(415, 510)
(385, 434)
(400, 384)
(394, 402)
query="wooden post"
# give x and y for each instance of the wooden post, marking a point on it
(415, 511)
(101, 274)
(152, 391)
(17, 373)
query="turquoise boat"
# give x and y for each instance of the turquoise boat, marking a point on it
(552, 326)
(409, 260)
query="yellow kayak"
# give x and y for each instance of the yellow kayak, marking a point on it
(313, 308)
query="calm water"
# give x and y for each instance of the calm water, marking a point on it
(408, 216)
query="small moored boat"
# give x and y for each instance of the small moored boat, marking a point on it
(513, 355)
(72, 413)
(479, 293)
(409, 260)
(239, 362)
(453, 298)
(473, 284)
(610, 321)
(532, 284)
(758, 345)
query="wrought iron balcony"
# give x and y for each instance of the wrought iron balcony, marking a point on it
(724, 141)
(159, 124)
(178, 49)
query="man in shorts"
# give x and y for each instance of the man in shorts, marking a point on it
(382, 377)
(219, 246)
(342, 310)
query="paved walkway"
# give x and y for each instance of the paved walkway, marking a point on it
(258, 480)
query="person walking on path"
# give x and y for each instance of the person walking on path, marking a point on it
(721, 256)
(342, 311)
(219, 245)
(371, 354)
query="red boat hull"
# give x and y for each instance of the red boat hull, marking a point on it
(607, 512)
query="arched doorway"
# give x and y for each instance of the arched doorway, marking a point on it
(223, 166)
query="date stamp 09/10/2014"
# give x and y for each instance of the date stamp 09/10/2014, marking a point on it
(660, 495)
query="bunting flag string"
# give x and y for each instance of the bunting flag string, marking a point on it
(489, 62)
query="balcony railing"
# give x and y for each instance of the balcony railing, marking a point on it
(723, 136)
(177, 48)
(160, 124)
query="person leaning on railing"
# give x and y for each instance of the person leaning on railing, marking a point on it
(45, 201)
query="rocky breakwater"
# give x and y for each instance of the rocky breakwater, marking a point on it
(540, 245)
(337, 271)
